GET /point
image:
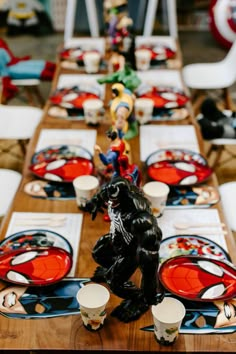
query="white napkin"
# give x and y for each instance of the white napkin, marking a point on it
(83, 137)
(155, 137)
(70, 80)
(194, 216)
(67, 225)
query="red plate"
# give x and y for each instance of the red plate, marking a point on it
(62, 170)
(35, 266)
(165, 97)
(55, 152)
(199, 278)
(74, 54)
(71, 97)
(159, 52)
(178, 167)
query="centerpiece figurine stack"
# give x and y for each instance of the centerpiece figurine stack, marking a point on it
(132, 243)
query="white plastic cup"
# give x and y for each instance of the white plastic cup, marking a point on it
(85, 187)
(143, 110)
(167, 317)
(92, 62)
(93, 111)
(93, 299)
(157, 193)
(142, 59)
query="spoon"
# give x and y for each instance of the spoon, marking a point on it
(183, 225)
(52, 223)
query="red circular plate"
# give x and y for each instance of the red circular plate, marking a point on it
(62, 170)
(199, 278)
(165, 97)
(159, 52)
(35, 266)
(178, 167)
(71, 97)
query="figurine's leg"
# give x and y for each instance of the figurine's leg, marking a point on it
(118, 277)
(103, 254)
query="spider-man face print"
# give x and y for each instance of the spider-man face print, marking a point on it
(199, 278)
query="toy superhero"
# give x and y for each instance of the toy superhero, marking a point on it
(132, 243)
(121, 110)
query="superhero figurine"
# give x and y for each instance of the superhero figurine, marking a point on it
(133, 242)
(117, 161)
(121, 110)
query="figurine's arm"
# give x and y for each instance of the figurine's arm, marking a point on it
(110, 78)
(96, 203)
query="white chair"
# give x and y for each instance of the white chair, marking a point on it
(17, 123)
(70, 18)
(9, 184)
(228, 199)
(31, 90)
(216, 150)
(170, 6)
(212, 76)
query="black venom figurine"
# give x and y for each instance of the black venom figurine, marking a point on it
(132, 242)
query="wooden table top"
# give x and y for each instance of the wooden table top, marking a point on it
(67, 333)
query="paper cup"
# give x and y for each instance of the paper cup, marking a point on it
(156, 193)
(143, 109)
(85, 187)
(92, 62)
(142, 59)
(93, 299)
(167, 317)
(93, 111)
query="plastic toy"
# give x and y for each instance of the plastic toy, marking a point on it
(121, 110)
(133, 242)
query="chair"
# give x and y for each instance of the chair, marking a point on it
(151, 15)
(70, 18)
(221, 75)
(17, 123)
(31, 89)
(9, 183)
(216, 150)
(228, 199)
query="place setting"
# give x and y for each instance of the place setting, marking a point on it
(83, 54)
(55, 236)
(60, 156)
(69, 100)
(160, 51)
(166, 91)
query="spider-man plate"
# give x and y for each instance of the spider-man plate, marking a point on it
(159, 52)
(193, 245)
(33, 239)
(35, 266)
(74, 54)
(177, 167)
(163, 97)
(199, 278)
(62, 170)
(57, 152)
(74, 97)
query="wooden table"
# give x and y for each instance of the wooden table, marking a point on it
(68, 333)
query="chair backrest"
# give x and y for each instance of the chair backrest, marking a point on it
(230, 60)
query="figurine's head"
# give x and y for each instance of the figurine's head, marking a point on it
(117, 89)
(117, 191)
(112, 134)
